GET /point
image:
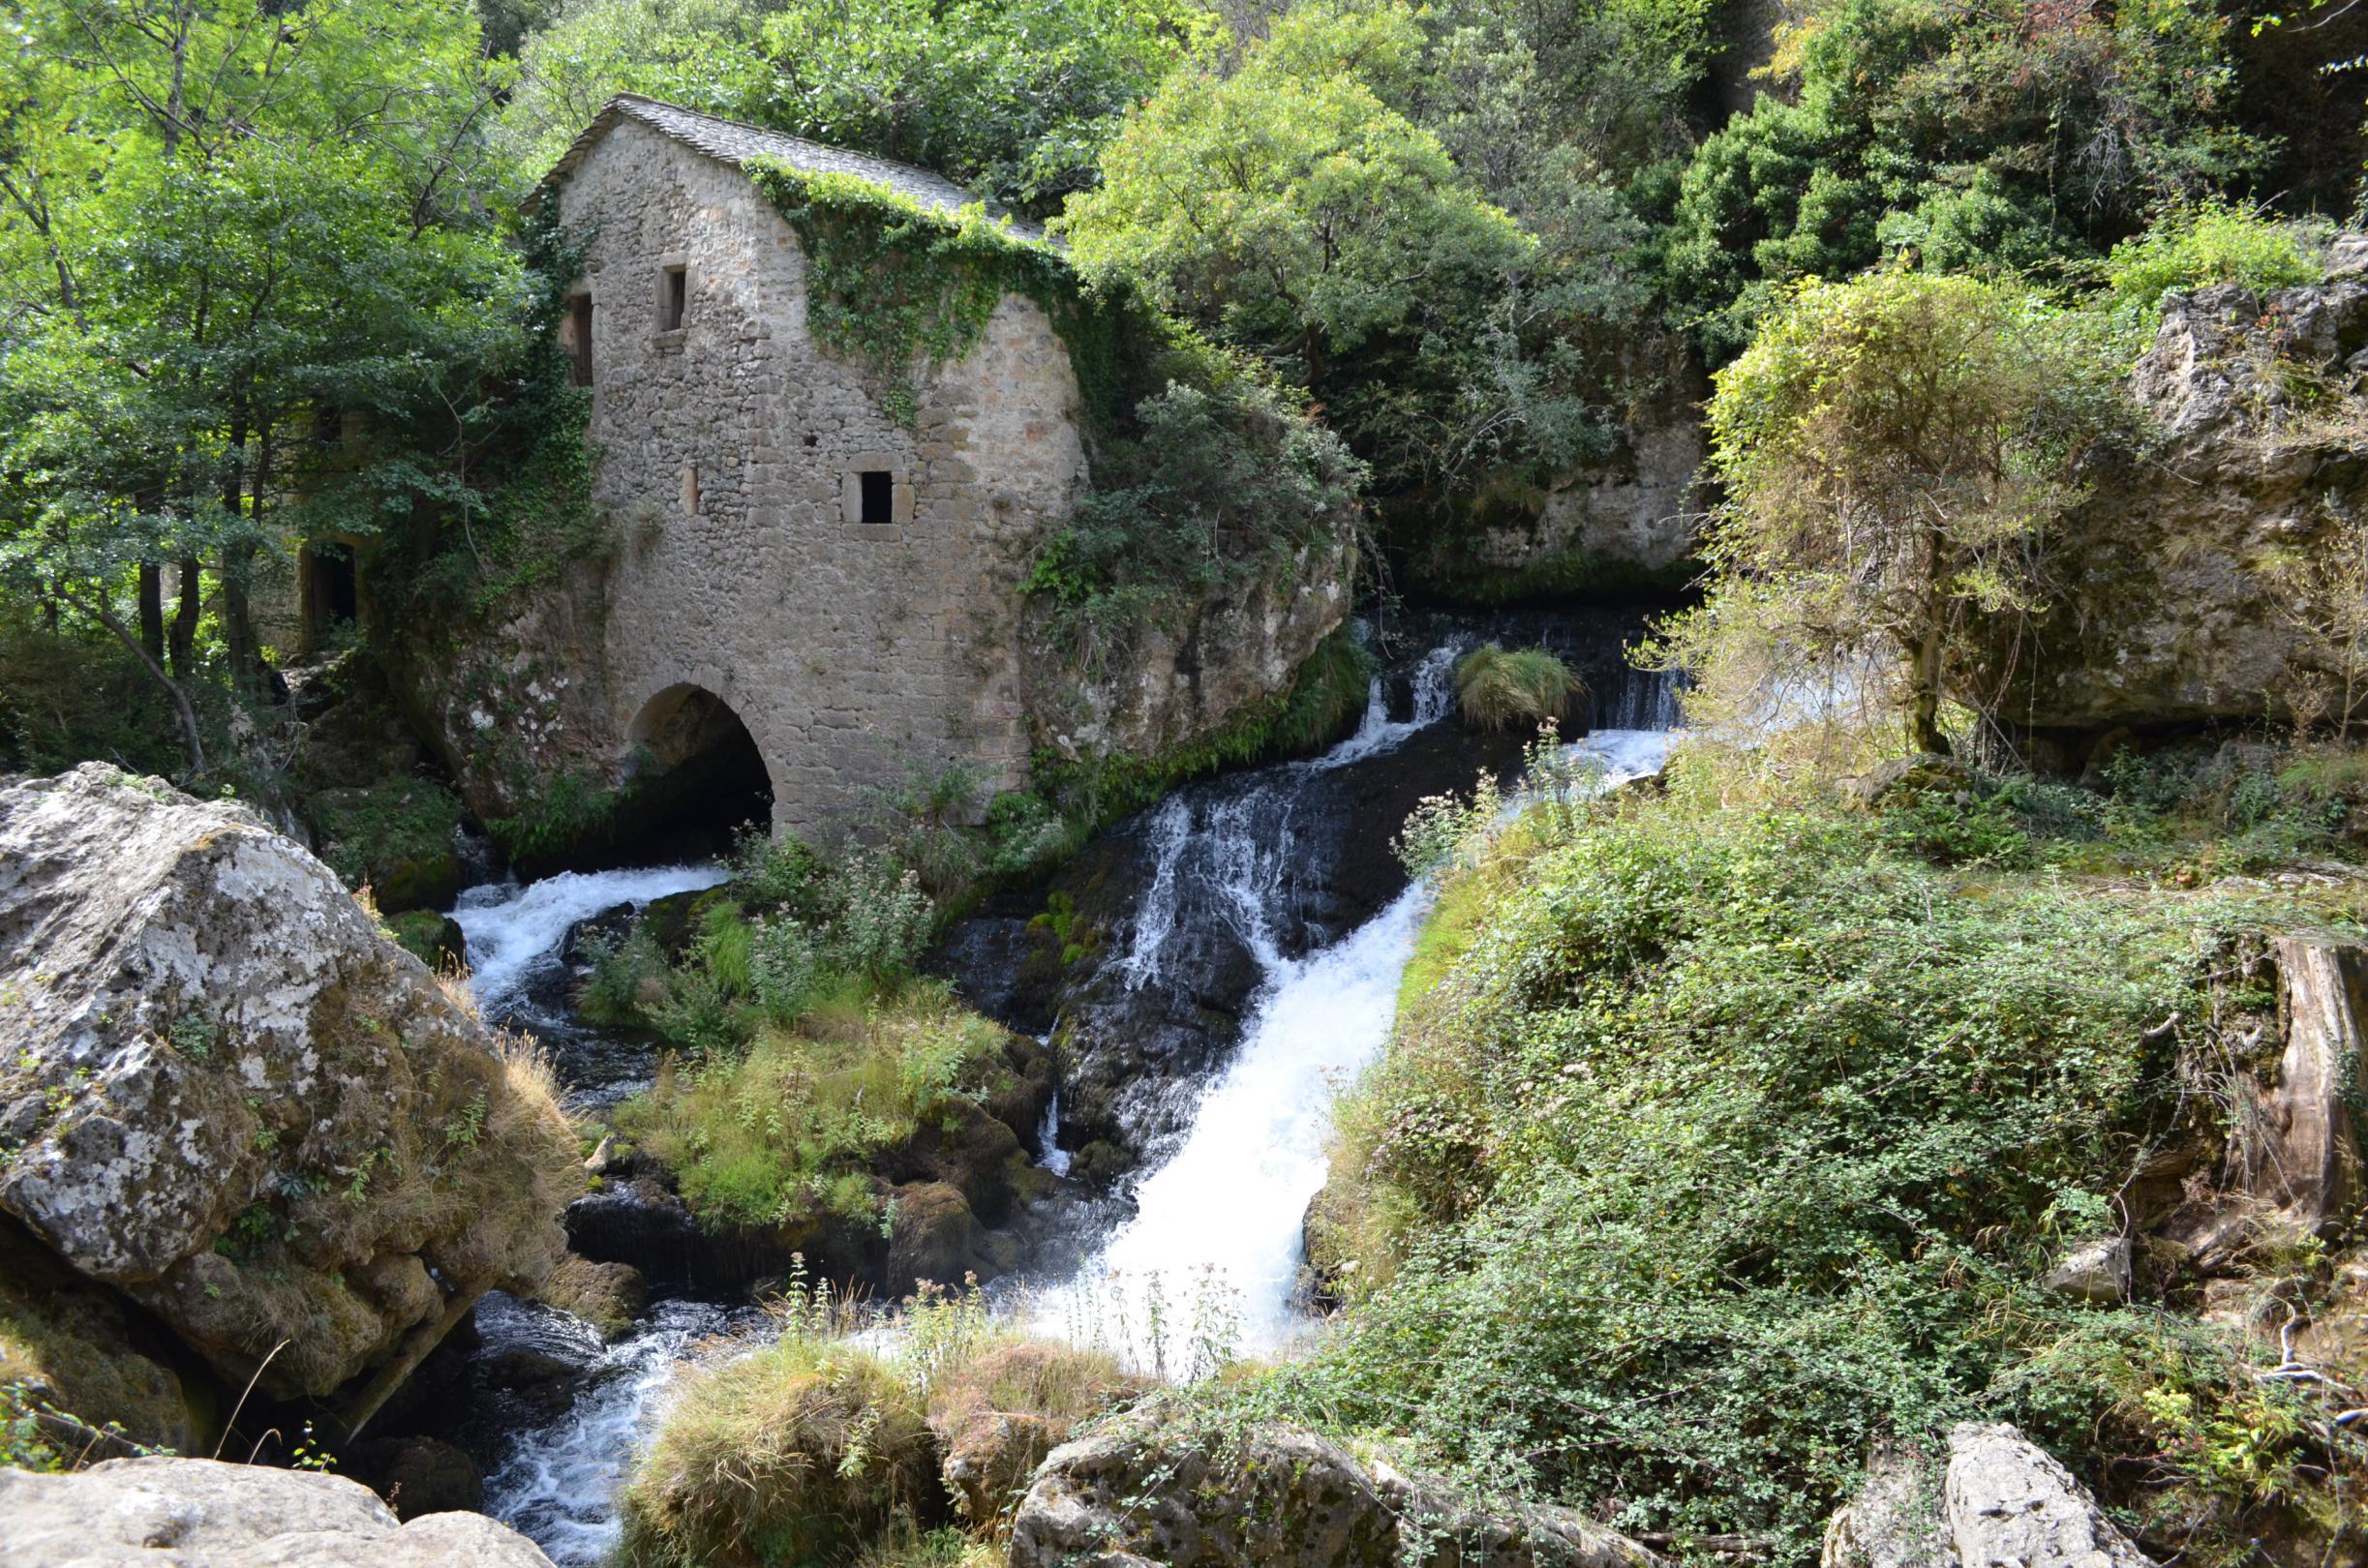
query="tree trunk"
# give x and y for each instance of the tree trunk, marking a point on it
(238, 620)
(185, 619)
(152, 611)
(192, 742)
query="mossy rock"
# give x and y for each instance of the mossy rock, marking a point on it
(74, 1347)
(435, 939)
(397, 837)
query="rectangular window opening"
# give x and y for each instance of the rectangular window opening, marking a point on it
(879, 496)
(673, 301)
(579, 332)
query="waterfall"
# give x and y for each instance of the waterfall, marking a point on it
(558, 1483)
(1208, 1262)
(515, 933)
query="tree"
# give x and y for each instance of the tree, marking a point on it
(231, 225)
(1281, 204)
(1891, 467)
(2010, 133)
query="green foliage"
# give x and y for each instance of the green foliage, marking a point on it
(784, 1131)
(1723, 1143)
(1893, 450)
(704, 55)
(67, 699)
(395, 837)
(1973, 137)
(559, 811)
(1328, 695)
(1497, 690)
(1281, 199)
(2208, 244)
(1216, 487)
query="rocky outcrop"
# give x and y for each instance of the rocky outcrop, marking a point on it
(1154, 1490)
(186, 1512)
(232, 1099)
(1170, 685)
(2181, 600)
(1617, 530)
(2011, 1506)
(2308, 1162)
(2002, 1503)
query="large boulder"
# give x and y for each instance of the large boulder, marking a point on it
(2176, 560)
(1152, 1489)
(2011, 1506)
(188, 1513)
(231, 1098)
(2002, 1502)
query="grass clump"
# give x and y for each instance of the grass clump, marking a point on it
(819, 1449)
(1496, 689)
(788, 1127)
(800, 1453)
(1717, 1145)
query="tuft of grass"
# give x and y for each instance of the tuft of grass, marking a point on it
(787, 1128)
(801, 1452)
(1496, 689)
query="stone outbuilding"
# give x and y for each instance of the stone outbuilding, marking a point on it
(800, 553)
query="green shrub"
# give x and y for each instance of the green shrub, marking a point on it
(2208, 244)
(1327, 695)
(1496, 689)
(1720, 1144)
(775, 1131)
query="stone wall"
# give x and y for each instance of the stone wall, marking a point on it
(727, 452)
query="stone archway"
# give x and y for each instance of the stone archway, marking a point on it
(696, 773)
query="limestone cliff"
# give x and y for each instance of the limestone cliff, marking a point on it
(232, 1099)
(2185, 579)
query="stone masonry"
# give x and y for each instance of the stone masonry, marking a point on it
(731, 453)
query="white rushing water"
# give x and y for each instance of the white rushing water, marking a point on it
(515, 932)
(1208, 1264)
(557, 1484)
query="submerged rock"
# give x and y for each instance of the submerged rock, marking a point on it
(1150, 1490)
(182, 1513)
(238, 1104)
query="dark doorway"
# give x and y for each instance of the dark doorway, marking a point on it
(332, 592)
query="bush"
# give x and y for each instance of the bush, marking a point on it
(1497, 690)
(1724, 1143)
(2208, 244)
(786, 1128)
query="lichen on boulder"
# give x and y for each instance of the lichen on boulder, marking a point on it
(232, 1099)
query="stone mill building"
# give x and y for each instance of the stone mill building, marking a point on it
(792, 556)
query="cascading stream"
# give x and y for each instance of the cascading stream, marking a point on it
(1208, 1263)
(1212, 1249)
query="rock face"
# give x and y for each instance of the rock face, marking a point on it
(1278, 1496)
(2095, 1271)
(233, 1101)
(2310, 1167)
(2011, 1506)
(1172, 688)
(2177, 559)
(181, 1513)
(2004, 1503)
(1607, 530)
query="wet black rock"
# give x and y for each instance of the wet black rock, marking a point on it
(416, 1475)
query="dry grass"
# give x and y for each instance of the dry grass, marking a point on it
(802, 1452)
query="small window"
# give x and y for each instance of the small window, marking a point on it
(673, 297)
(580, 334)
(879, 495)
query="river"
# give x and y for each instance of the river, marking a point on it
(1194, 1261)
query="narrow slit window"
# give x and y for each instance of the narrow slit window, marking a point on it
(674, 299)
(580, 334)
(879, 496)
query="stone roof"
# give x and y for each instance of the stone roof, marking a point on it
(734, 142)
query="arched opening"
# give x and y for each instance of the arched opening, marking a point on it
(697, 775)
